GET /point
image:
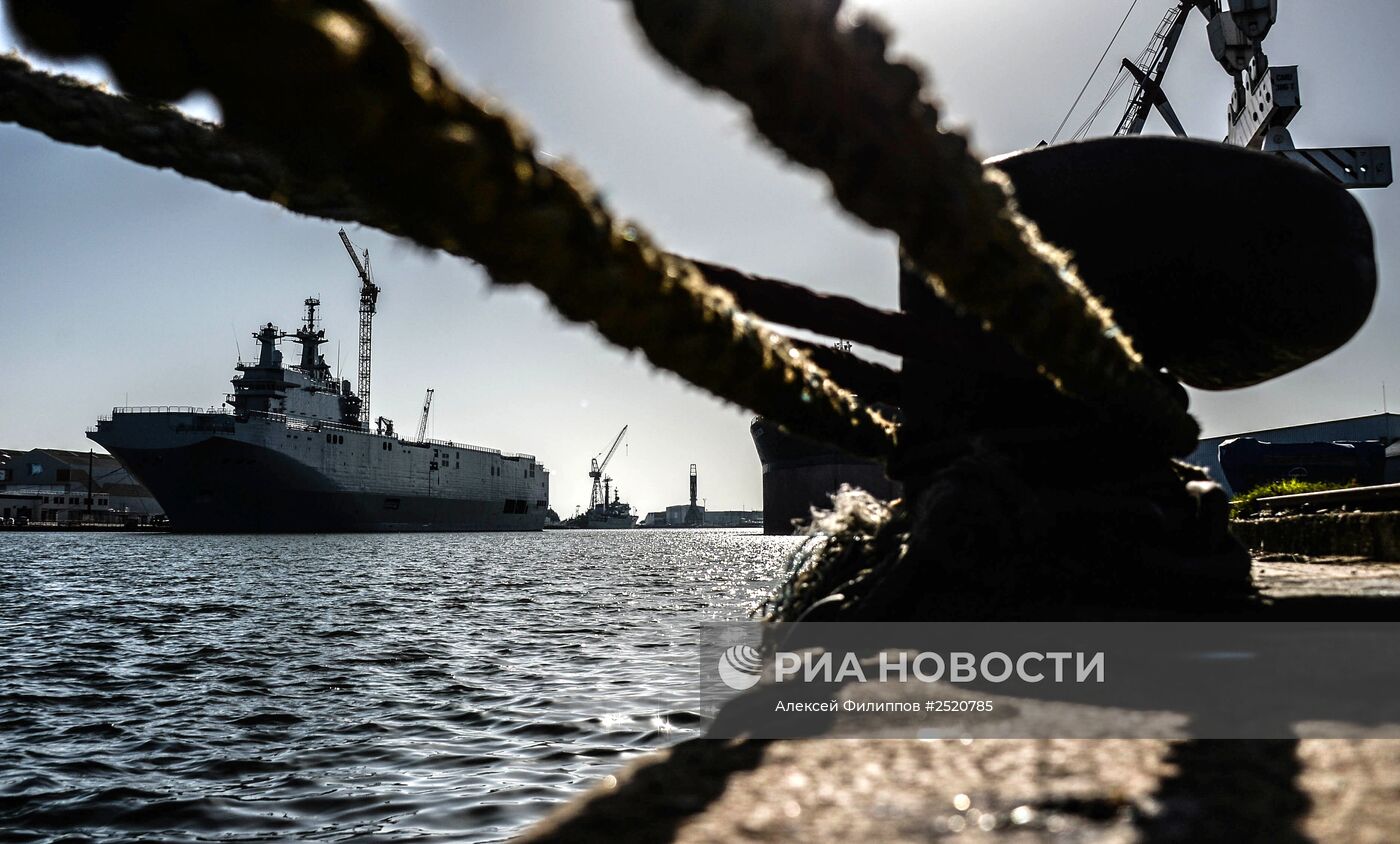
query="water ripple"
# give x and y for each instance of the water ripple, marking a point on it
(329, 687)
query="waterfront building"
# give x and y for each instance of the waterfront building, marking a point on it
(676, 515)
(52, 485)
(1377, 427)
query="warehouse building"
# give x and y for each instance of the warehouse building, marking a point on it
(1380, 427)
(52, 485)
(678, 515)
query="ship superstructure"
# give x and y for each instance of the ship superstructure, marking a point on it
(291, 450)
(610, 515)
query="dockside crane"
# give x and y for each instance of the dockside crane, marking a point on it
(600, 491)
(1147, 93)
(423, 420)
(1266, 97)
(369, 297)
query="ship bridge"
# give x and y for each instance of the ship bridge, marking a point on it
(307, 390)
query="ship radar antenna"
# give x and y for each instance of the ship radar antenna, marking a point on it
(369, 298)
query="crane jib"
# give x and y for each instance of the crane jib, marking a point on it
(596, 472)
(1265, 100)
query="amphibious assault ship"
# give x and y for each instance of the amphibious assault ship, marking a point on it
(292, 451)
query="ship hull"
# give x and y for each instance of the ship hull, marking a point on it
(214, 483)
(279, 496)
(611, 522)
(799, 475)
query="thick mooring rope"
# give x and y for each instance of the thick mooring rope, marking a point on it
(152, 133)
(821, 90)
(337, 114)
(360, 121)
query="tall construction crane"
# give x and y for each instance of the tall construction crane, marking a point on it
(600, 494)
(369, 297)
(423, 420)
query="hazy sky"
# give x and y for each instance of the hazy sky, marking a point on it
(124, 285)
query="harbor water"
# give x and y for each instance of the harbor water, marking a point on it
(452, 686)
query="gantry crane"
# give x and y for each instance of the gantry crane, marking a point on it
(600, 490)
(369, 297)
(423, 420)
(1265, 99)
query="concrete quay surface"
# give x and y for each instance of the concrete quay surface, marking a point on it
(1312, 788)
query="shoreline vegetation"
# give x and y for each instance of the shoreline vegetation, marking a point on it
(1240, 505)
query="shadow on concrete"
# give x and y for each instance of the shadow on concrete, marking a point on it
(651, 804)
(1230, 790)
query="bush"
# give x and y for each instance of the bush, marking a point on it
(1239, 505)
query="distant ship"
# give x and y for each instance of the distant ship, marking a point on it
(611, 515)
(605, 515)
(292, 452)
(606, 510)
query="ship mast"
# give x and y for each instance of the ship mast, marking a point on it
(369, 296)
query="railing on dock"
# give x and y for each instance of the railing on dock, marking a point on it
(1376, 497)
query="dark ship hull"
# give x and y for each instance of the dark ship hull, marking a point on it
(613, 516)
(610, 522)
(219, 484)
(799, 474)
